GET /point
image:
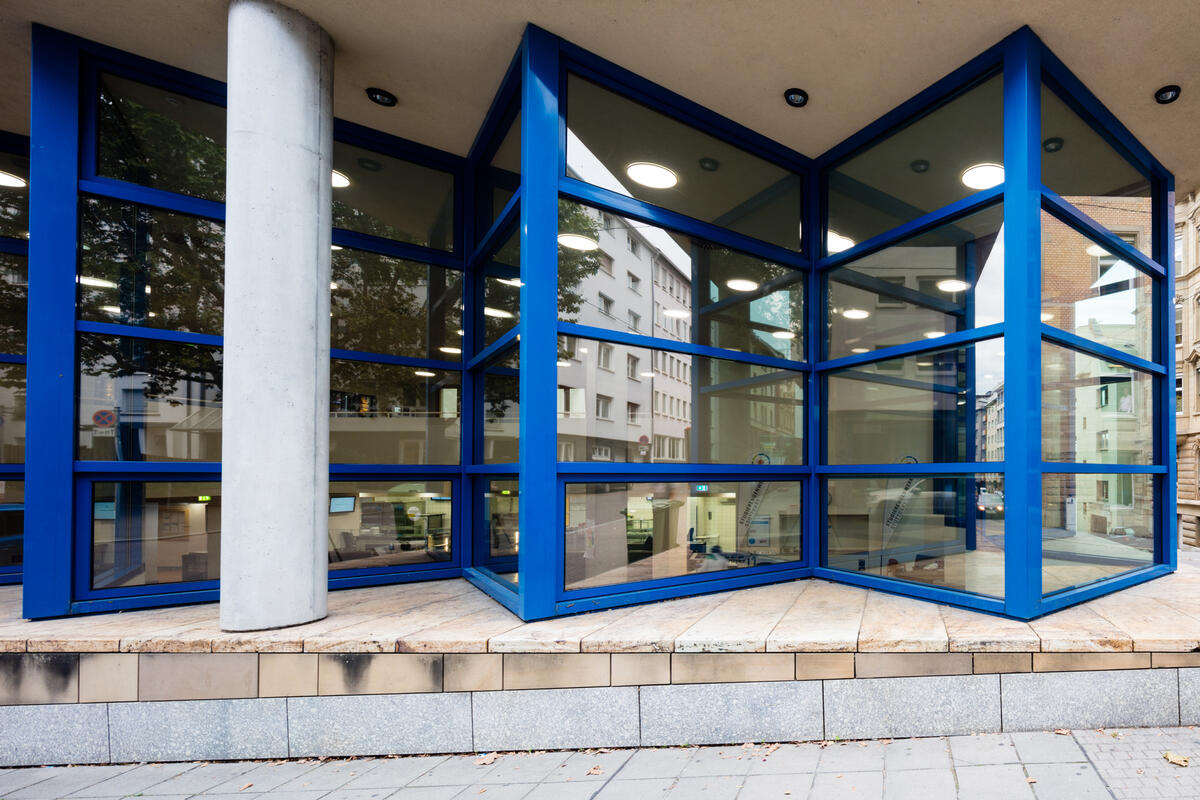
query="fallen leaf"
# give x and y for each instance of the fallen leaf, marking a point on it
(747, 745)
(486, 758)
(244, 788)
(595, 770)
(1031, 780)
(1062, 731)
(1176, 759)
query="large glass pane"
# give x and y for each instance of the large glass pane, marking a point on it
(388, 524)
(497, 546)
(1081, 166)
(14, 195)
(501, 411)
(1095, 526)
(14, 294)
(144, 400)
(946, 155)
(152, 533)
(942, 530)
(160, 139)
(501, 178)
(1095, 411)
(941, 406)
(1090, 292)
(148, 267)
(387, 414)
(389, 197)
(388, 305)
(622, 403)
(628, 532)
(12, 526)
(620, 274)
(502, 291)
(12, 413)
(625, 147)
(949, 279)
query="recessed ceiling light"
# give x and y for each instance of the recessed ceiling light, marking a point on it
(646, 374)
(514, 282)
(335, 247)
(370, 164)
(451, 350)
(1167, 94)
(856, 313)
(498, 313)
(983, 176)
(836, 243)
(577, 241)
(919, 166)
(709, 164)
(933, 334)
(953, 285)
(1097, 251)
(381, 96)
(859, 350)
(1053, 144)
(424, 373)
(741, 285)
(333, 285)
(924, 363)
(676, 313)
(110, 309)
(99, 283)
(1046, 316)
(783, 334)
(340, 181)
(564, 363)
(652, 176)
(11, 181)
(796, 98)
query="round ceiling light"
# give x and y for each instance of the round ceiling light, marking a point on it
(340, 181)
(856, 313)
(836, 243)
(953, 285)
(10, 181)
(933, 334)
(424, 373)
(796, 98)
(1097, 251)
(983, 176)
(859, 350)
(370, 164)
(381, 96)
(709, 164)
(741, 285)
(652, 176)
(919, 166)
(783, 334)
(454, 351)
(496, 313)
(1053, 144)
(1167, 94)
(676, 313)
(577, 241)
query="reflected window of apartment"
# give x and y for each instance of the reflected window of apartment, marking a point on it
(635, 321)
(603, 406)
(634, 282)
(601, 452)
(633, 413)
(604, 357)
(631, 367)
(388, 524)
(1178, 394)
(1102, 490)
(606, 305)
(1179, 251)
(1102, 440)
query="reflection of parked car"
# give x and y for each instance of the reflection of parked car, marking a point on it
(991, 504)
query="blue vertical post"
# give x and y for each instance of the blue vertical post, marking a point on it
(541, 540)
(814, 336)
(53, 180)
(1022, 324)
(1166, 540)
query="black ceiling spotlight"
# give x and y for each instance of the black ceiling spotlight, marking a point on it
(709, 164)
(1167, 94)
(919, 166)
(1053, 144)
(370, 164)
(796, 98)
(381, 96)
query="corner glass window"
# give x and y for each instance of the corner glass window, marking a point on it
(947, 280)
(388, 414)
(12, 526)
(152, 268)
(154, 533)
(14, 196)
(939, 530)
(950, 153)
(502, 291)
(145, 400)
(392, 198)
(630, 532)
(157, 138)
(14, 296)
(388, 524)
(498, 544)
(625, 147)
(502, 410)
(502, 176)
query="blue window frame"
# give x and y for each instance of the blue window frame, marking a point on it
(14, 256)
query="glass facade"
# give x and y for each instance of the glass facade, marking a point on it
(14, 301)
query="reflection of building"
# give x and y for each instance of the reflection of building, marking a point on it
(1187, 366)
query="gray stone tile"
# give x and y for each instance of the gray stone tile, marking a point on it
(576, 767)
(664, 762)
(920, 784)
(502, 791)
(319, 795)
(851, 757)
(455, 771)
(731, 712)
(329, 776)
(536, 719)
(993, 782)
(426, 793)
(63, 781)
(564, 791)
(904, 754)
(787, 786)
(220, 778)
(785, 758)
(12, 780)
(1040, 747)
(395, 772)
(1076, 781)
(380, 724)
(1189, 696)
(262, 777)
(525, 768)
(643, 789)
(843, 785)
(198, 729)
(931, 706)
(136, 780)
(729, 760)
(717, 787)
(54, 734)
(983, 748)
(39, 678)
(1108, 698)
(358, 794)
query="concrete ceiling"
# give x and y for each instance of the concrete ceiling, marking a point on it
(856, 58)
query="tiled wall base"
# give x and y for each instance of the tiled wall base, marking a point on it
(608, 716)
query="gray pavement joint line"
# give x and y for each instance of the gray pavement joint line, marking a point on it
(1087, 756)
(287, 718)
(613, 777)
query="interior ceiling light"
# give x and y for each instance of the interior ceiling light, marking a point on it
(676, 313)
(1167, 94)
(953, 285)
(451, 350)
(836, 243)
(919, 166)
(110, 309)
(709, 164)
(99, 283)
(381, 96)
(333, 285)
(340, 181)
(1053, 144)
(1046, 316)
(983, 176)
(856, 313)
(1097, 251)
(514, 282)
(370, 164)
(741, 285)
(11, 181)
(652, 176)
(577, 241)
(783, 334)
(498, 313)
(933, 334)
(424, 373)
(564, 363)
(859, 350)
(335, 247)
(796, 98)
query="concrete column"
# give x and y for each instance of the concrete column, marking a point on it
(275, 467)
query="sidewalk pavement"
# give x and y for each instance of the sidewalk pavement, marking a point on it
(1125, 764)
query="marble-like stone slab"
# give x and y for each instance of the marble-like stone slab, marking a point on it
(742, 623)
(973, 632)
(894, 624)
(1079, 629)
(1151, 623)
(469, 634)
(186, 730)
(651, 628)
(562, 635)
(824, 619)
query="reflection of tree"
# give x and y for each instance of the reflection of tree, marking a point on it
(164, 367)
(13, 297)
(575, 265)
(14, 202)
